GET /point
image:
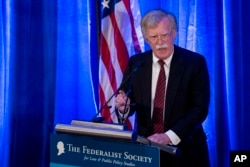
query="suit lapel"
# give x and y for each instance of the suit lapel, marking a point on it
(175, 74)
(146, 77)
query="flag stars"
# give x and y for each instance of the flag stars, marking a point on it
(105, 4)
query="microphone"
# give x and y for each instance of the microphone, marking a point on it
(98, 118)
(127, 94)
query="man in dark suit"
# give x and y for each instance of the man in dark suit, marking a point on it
(186, 93)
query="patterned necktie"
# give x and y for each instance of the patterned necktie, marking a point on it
(158, 121)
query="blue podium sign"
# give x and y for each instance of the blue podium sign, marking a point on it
(67, 150)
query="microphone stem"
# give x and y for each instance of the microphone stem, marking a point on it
(125, 107)
(127, 96)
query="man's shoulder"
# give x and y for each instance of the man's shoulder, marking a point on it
(145, 53)
(188, 55)
(183, 51)
(142, 56)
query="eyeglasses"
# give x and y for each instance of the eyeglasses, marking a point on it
(163, 37)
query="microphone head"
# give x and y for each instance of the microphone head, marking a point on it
(98, 119)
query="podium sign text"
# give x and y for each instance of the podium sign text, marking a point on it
(73, 150)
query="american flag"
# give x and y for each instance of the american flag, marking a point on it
(120, 38)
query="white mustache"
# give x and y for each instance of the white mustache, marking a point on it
(161, 46)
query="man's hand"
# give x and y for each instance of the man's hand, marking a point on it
(120, 101)
(160, 138)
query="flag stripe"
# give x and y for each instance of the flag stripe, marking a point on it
(106, 61)
(122, 53)
(105, 109)
(119, 40)
(134, 35)
(108, 33)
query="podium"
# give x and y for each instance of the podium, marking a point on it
(81, 145)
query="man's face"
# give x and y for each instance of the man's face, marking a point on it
(161, 39)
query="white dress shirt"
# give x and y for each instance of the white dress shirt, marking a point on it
(155, 73)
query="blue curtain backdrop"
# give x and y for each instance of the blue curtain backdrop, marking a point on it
(49, 70)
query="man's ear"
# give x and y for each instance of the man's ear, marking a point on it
(145, 38)
(174, 34)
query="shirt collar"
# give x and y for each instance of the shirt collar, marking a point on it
(167, 60)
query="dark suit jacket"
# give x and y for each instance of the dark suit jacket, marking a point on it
(187, 95)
